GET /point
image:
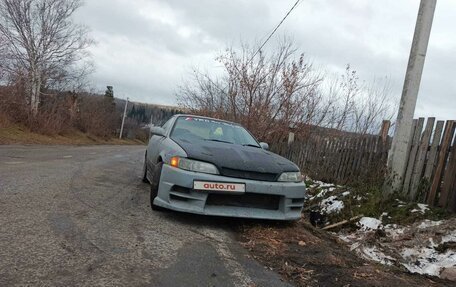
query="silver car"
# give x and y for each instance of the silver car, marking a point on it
(212, 167)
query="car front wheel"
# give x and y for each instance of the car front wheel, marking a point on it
(154, 185)
(145, 179)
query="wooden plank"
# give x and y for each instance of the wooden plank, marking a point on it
(436, 181)
(357, 164)
(306, 151)
(432, 155)
(449, 177)
(366, 155)
(351, 152)
(329, 157)
(412, 155)
(372, 148)
(341, 154)
(384, 130)
(351, 157)
(345, 159)
(354, 169)
(379, 164)
(452, 173)
(323, 158)
(301, 155)
(421, 157)
(335, 157)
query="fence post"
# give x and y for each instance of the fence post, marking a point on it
(291, 137)
(446, 141)
(384, 130)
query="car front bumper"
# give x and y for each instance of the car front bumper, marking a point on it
(262, 199)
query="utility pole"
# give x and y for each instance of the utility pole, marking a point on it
(123, 119)
(398, 154)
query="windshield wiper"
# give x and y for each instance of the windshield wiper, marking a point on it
(251, 145)
(220, 141)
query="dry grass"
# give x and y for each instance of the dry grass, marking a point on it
(16, 134)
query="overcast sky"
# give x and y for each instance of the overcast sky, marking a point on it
(145, 48)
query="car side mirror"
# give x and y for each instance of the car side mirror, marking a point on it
(264, 145)
(158, 131)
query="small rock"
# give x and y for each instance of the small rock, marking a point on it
(449, 273)
(301, 243)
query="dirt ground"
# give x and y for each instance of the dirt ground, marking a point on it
(307, 256)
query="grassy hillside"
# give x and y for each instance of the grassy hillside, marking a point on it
(16, 134)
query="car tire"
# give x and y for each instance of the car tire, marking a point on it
(145, 179)
(154, 185)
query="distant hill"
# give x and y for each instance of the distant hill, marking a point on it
(144, 113)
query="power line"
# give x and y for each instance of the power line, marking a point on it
(265, 41)
(274, 30)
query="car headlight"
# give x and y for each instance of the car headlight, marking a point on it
(290, 177)
(193, 165)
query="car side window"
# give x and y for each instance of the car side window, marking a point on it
(167, 125)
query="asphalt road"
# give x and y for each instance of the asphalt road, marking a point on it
(80, 216)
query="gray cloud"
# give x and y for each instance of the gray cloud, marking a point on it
(145, 48)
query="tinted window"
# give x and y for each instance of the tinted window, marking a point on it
(194, 128)
(167, 124)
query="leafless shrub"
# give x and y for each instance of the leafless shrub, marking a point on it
(267, 94)
(273, 94)
(13, 106)
(97, 115)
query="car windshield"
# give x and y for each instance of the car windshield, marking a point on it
(195, 128)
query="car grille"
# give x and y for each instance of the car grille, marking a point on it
(253, 175)
(251, 200)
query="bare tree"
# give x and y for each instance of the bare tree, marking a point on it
(372, 107)
(43, 44)
(266, 93)
(353, 106)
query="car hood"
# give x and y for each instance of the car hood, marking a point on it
(236, 157)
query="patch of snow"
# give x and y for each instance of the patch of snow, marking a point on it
(369, 223)
(451, 237)
(321, 193)
(422, 208)
(354, 246)
(429, 223)
(331, 205)
(359, 197)
(322, 184)
(347, 238)
(394, 231)
(345, 193)
(431, 243)
(373, 253)
(427, 260)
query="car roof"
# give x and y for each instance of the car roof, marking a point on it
(203, 117)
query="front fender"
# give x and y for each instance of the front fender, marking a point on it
(170, 149)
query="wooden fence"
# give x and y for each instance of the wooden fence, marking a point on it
(339, 159)
(431, 168)
(430, 175)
